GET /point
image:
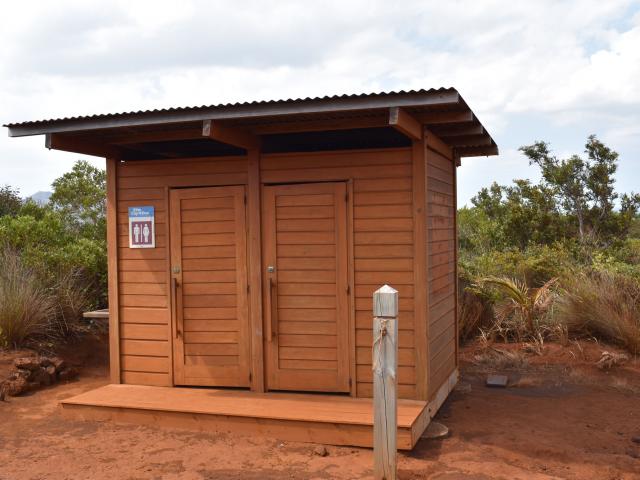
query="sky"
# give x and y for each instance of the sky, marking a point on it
(549, 70)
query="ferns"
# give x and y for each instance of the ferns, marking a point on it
(519, 309)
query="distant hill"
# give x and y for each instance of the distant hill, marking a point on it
(41, 197)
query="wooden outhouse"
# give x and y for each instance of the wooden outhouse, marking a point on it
(245, 241)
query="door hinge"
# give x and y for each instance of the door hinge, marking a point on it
(346, 197)
(245, 198)
(348, 289)
(350, 383)
(248, 288)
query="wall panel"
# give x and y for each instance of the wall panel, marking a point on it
(441, 262)
(145, 320)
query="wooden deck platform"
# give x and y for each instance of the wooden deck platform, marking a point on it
(328, 419)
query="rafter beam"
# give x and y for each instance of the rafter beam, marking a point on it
(443, 118)
(487, 151)
(405, 123)
(55, 141)
(470, 141)
(457, 131)
(436, 144)
(230, 135)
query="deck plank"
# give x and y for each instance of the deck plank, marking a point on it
(310, 411)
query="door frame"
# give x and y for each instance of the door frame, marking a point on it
(345, 273)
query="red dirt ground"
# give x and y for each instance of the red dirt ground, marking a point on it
(564, 418)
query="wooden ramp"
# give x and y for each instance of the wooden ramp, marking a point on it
(328, 419)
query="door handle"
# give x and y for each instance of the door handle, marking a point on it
(273, 311)
(176, 310)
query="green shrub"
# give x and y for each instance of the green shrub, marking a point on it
(622, 259)
(26, 304)
(534, 266)
(46, 244)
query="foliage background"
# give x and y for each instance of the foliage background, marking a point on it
(517, 238)
(61, 247)
(522, 248)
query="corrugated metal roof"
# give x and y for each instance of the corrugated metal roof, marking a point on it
(429, 105)
(192, 109)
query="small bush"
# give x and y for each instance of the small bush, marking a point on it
(521, 313)
(534, 266)
(605, 305)
(26, 304)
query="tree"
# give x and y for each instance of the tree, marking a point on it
(584, 190)
(522, 214)
(477, 232)
(79, 196)
(10, 201)
(66, 237)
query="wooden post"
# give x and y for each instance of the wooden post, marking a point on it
(255, 270)
(385, 367)
(112, 272)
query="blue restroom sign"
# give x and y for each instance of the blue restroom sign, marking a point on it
(142, 227)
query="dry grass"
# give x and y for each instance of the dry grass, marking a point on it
(602, 305)
(499, 359)
(492, 358)
(26, 304)
(475, 313)
(34, 307)
(72, 296)
(522, 313)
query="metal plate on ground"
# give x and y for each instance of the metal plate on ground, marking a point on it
(497, 381)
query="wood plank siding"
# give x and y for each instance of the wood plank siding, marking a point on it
(143, 279)
(306, 299)
(441, 266)
(380, 226)
(208, 245)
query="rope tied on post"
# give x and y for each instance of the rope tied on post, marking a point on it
(378, 365)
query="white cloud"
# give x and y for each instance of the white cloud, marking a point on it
(544, 69)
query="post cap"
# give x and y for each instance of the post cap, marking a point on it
(385, 302)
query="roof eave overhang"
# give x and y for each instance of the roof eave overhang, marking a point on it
(239, 112)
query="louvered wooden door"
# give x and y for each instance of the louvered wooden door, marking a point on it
(305, 287)
(209, 287)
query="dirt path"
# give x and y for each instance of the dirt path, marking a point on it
(545, 429)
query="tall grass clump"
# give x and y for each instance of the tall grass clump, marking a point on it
(26, 304)
(605, 305)
(72, 293)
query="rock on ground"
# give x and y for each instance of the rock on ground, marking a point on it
(31, 373)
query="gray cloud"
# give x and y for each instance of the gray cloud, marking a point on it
(544, 69)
